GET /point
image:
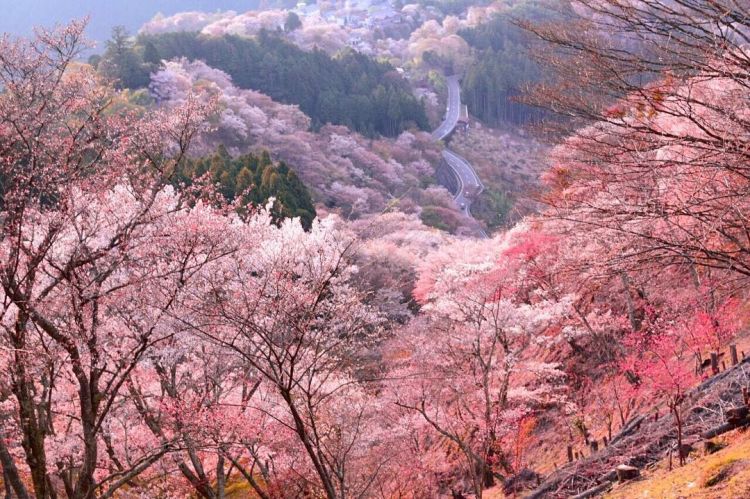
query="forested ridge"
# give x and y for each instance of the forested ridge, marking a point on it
(350, 89)
(502, 65)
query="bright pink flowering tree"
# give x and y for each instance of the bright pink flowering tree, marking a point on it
(661, 360)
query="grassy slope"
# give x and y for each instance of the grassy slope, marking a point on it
(725, 474)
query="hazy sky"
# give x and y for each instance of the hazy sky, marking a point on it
(19, 16)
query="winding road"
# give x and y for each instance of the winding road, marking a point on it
(452, 112)
(469, 184)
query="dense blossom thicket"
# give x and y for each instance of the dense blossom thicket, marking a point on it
(157, 341)
(396, 44)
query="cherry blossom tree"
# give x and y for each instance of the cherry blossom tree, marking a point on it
(284, 307)
(661, 359)
(475, 376)
(90, 259)
(189, 393)
(660, 162)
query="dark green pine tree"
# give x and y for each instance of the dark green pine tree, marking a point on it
(121, 61)
(151, 55)
(292, 22)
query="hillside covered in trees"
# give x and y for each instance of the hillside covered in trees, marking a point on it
(347, 172)
(254, 180)
(156, 342)
(350, 89)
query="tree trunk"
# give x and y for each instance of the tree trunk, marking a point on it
(733, 354)
(220, 478)
(11, 478)
(33, 433)
(304, 437)
(678, 421)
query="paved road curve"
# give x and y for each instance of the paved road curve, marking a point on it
(453, 111)
(469, 184)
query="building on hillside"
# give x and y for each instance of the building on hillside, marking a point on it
(303, 9)
(463, 118)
